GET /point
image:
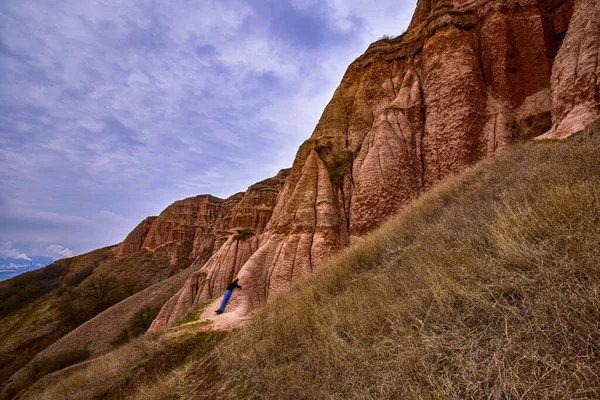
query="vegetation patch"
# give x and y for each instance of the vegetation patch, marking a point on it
(138, 325)
(340, 166)
(193, 315)
(141, 363)
(243, 234)
(25, 288)
(322, 148)
(59, 362)
(386, 38)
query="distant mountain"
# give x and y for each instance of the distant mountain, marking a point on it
(10, 267)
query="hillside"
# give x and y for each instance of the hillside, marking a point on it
(82, 306)
(485, 287)
(464, 83)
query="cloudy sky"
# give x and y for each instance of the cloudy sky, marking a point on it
(110, 110)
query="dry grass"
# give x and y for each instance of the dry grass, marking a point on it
(487, 287)
(142, 362)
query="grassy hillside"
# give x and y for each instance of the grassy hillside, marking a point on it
(486, 287)
(37, 308)
(31, 317)
(141, 363)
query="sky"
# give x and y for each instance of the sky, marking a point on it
(111, 110)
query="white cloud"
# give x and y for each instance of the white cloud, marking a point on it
(56, 251)
(7, 251)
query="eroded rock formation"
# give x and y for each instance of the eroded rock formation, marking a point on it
(252, 213)
(466, 79)
(193, 229)
(183, 232)
(183, 236)
(576, 73)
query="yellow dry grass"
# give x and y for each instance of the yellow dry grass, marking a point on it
(143, 362)
(486, 287)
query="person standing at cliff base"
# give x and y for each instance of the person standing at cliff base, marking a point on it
(227, 294)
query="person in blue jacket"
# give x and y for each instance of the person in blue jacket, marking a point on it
(227, 294)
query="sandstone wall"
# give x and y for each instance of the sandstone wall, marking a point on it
(576, 73)
(193, 229)
(467, 79)
(135, 240)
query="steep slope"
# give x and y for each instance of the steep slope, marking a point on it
(485, 287)
(466, 79)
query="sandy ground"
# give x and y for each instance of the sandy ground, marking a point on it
(224, 322)
(210, 321)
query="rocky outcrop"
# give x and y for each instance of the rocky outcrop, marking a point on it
(255, 208)
(466, 80)
(251, 214)
(576, 73)
(134, 242)
(193, 229)
(183, 232)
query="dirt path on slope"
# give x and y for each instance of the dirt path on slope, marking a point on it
(210, 321)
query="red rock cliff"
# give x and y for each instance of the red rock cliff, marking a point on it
(466, 79)
(193, 229)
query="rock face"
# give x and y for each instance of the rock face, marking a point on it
(251, 213)
(183, 232)
(134, 242)
(193, 229)
(576, 73)
(467, 78)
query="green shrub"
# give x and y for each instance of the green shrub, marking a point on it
(122, 339)
(138, 325)
(323, 147)
(142, 320)
(386, 37)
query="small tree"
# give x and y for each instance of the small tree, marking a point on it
(142, 320)
(98, 289)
